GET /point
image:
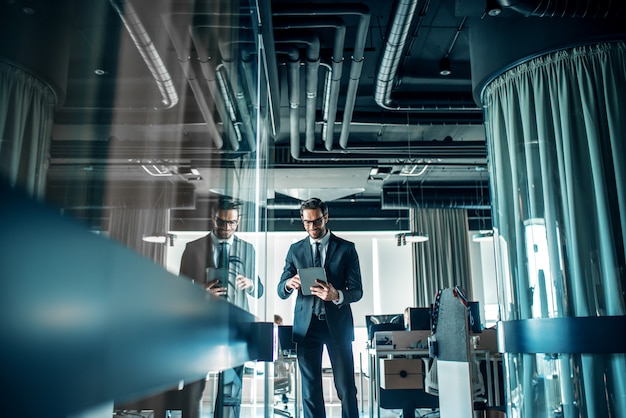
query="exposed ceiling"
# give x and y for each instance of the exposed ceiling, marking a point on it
(365, 118)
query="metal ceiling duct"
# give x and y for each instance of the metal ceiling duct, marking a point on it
(390, 62)
(217, 86)
(333, 10)
(312, 63)
(330, 100)
(148, 52)
(439, 196)
(568, 8)
(293, 81)
(390, 58)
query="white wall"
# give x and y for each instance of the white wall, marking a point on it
(387, 274)
(385, 268)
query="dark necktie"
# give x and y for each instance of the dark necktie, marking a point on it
(317, 258)
(223, 256)
(318, 304)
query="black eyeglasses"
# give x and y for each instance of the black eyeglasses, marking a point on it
(223, 222)
(314, 222)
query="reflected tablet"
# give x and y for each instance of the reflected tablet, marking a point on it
(308, 276)
(215, 273)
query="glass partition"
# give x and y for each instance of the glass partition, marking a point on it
(167, 122)
(137, 119)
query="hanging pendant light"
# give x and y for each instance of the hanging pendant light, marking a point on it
(159, 238)
(412, 237)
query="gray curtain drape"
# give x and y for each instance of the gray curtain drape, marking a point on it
(555, 131)
(443, 260)
(128, 226)
(25, 127)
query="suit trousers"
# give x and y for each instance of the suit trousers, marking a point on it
(309, 352)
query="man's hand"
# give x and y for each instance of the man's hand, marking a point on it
(324, 291)
(215, 288)
(293, 283)
(243, 282)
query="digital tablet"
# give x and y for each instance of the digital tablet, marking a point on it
(215, 273)
(308, 276)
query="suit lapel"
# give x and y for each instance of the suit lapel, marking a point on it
(210, 252)
(332, 246)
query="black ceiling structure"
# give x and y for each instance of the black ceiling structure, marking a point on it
(376, 91)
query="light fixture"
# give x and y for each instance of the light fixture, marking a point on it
(412, 237)
(159, 238)
(444, 66)
(493, 8)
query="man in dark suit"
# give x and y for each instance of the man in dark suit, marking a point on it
(325, 317)
(222, 249)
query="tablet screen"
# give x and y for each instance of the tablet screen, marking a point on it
(308, 276)
(214, 273)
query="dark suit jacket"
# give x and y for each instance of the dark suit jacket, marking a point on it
(198, 256)
(342, 270)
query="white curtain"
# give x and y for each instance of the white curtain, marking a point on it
(25, 126)
(556, 136)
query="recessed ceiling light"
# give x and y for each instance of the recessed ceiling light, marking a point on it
(444, 66)
(493, 8)
(99, 71)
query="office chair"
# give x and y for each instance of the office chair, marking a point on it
(282, 384)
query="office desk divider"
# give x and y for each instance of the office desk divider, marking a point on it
(454, 377)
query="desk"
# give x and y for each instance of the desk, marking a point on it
(374, 356)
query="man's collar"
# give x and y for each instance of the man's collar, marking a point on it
(324, 240)
(217, 241)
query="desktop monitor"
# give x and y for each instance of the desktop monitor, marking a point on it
(419, 319)
(473, 317)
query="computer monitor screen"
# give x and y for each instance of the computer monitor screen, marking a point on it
(393, 322)
(285, 339)
(419, 319)
(473, 317)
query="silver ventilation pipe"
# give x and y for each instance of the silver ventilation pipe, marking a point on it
(390, 61)
(218, 88)
(227, 93)
(355, 75)
(271, 65)
(567, 8)
(312, 62)
(363, 12)
(293, 83)
(181, 47)
(237, 91)
(148, 52)
(330, 107)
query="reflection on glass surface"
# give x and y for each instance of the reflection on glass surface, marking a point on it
(134, 118)
(136, 126)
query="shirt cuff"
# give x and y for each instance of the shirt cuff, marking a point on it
(340, 300)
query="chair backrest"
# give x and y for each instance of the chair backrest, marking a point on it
(285, 340)
(375, 323)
